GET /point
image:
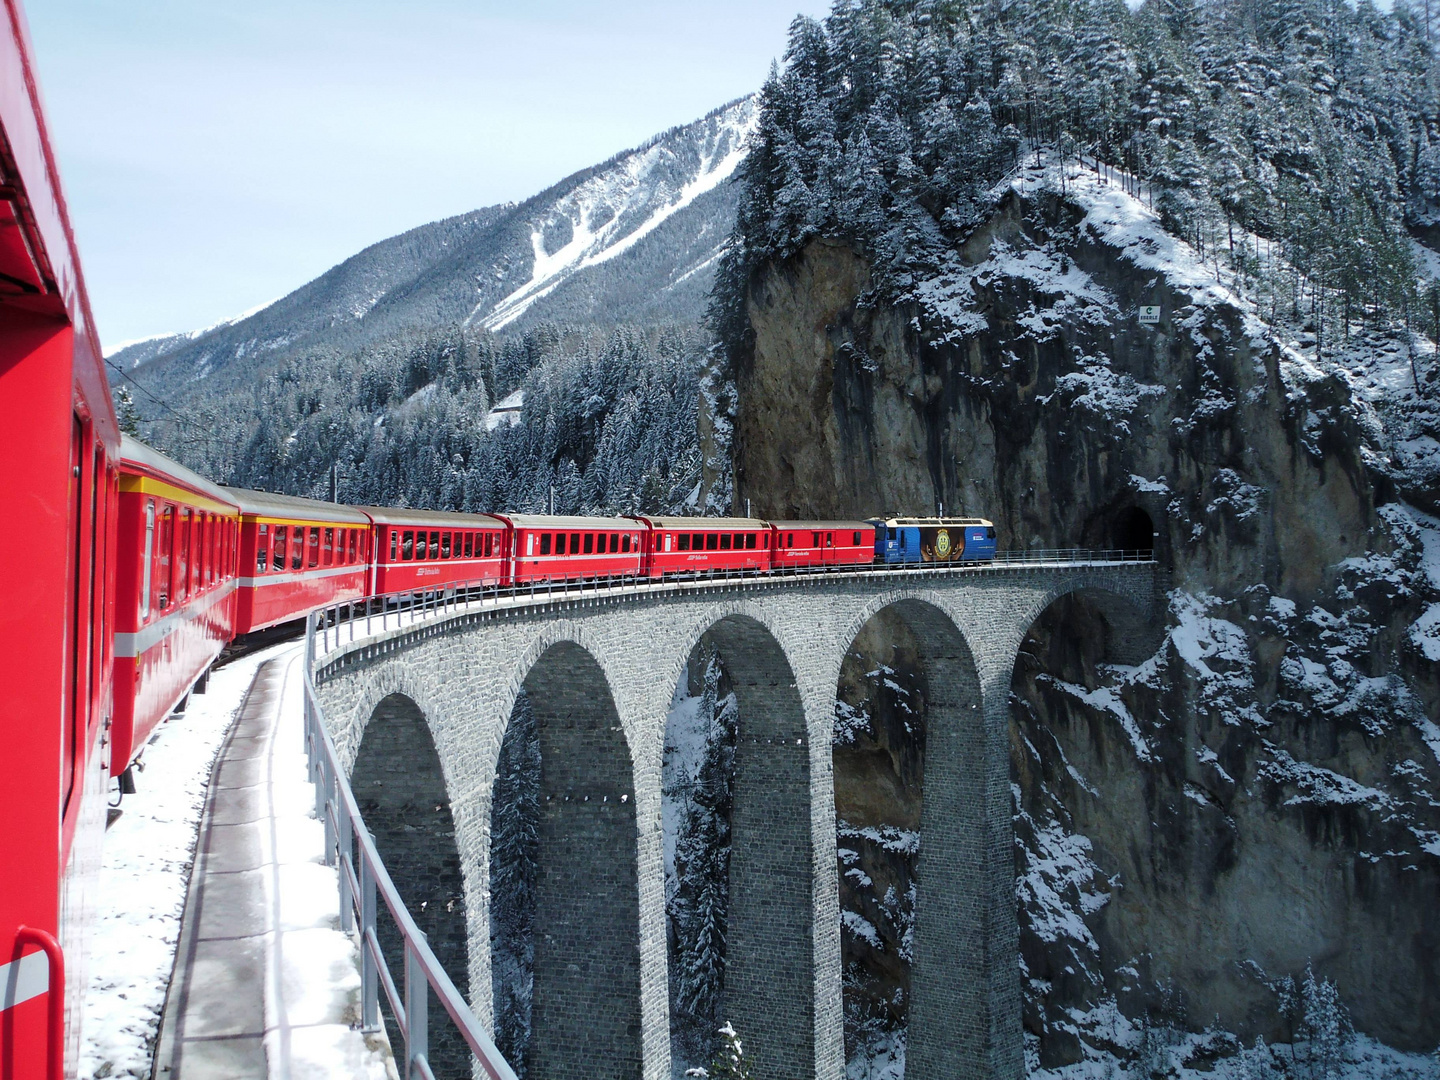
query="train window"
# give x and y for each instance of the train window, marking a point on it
(314, 553)
(724, 541)
(684, 541)
(529, 543)
(180, 567)
(489, 544)
(262, 549)
(149, 554)
(625, 543)
(277, 548)
(445, 545)
(297, 547)
(614, 543)
(712, 541)
(589, 543)
(559, 543)
(545, 544)
(750, 541)
(422, 545)
(197, 552)
(354, 544)
(667, 541)
(855, 540)
(327, 548)
(407, 546)
(434, 545)
(469, 544)
(574, 543)
(829, 539)
(163, 552)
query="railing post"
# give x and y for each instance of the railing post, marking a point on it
(346, 864)
(369, 976)
(417, 1043)
(325, 810)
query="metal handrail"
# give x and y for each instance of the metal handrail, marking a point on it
(55, 1006)
(345, 831)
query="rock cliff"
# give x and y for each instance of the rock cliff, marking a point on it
(1260, 795)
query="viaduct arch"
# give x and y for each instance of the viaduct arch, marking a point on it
(600, 672)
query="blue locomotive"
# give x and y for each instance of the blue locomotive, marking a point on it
(924, 540)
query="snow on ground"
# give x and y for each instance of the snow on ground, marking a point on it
(312, 977)
(311, 982)
(1185, 1059)
(507, 411)
(615, 209)
(144, 875)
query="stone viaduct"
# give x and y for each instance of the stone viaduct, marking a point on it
(600, 671)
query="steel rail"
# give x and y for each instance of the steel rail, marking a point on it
(362, 881)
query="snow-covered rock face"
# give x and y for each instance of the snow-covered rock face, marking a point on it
(624, 202)
(1262, 792)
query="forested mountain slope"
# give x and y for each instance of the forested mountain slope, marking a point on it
(632, 240)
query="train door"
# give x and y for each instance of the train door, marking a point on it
(75, 629)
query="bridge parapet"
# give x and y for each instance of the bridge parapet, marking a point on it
(463, 659)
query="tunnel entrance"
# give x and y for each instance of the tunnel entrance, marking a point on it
(1133, 530)
(400, 789)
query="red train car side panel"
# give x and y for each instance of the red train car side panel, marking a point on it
(176, 573)
(800, 544)
(60, 443)
(557, 548)
(423, 549)
(297, 555)
(694, 545)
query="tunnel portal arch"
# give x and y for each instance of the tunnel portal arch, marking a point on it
(1132, 530)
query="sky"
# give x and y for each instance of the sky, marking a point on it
(218, 154)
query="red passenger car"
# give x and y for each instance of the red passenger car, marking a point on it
(61, 448)
(176, 580)
(572, 548)
(427, 549)
(823, 543)
(297, 555)
(690, 545)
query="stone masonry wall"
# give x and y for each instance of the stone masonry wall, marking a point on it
(782, 641)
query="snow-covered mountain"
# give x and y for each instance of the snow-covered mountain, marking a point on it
(634, 239)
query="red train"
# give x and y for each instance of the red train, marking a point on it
(176, 573)
(60, 489)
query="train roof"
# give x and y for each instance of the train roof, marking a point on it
(390, 515)
(823, 526)
(294, 508)
(39, 263)
(137, 457)
(699, 524)
(936, 521)
(549, 521)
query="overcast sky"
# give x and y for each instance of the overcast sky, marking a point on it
(217, 155)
